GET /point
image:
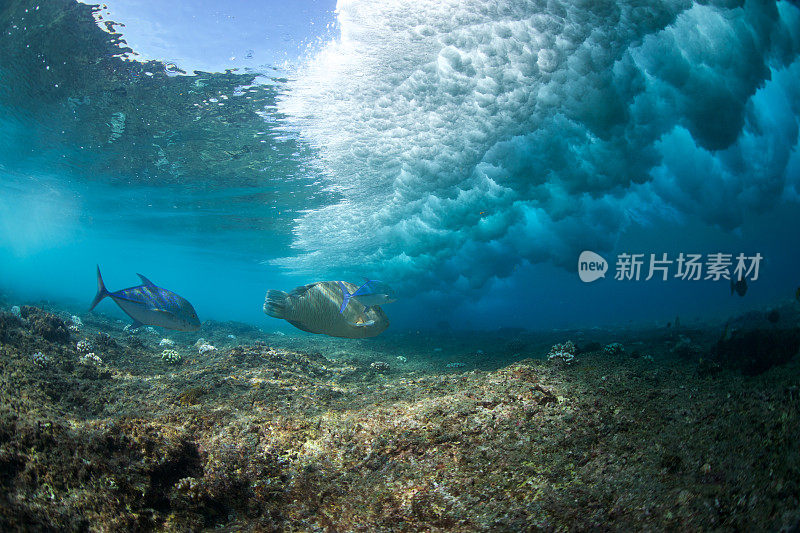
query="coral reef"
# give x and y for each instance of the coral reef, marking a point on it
(10, 323)
(379, 366)
(45, 325)
(565, 352)
(83, 346)
(90, 359)
(40, 359)
(613, 349)
(684, 348)
(755, 351)
(203, 349)
(294, 433)
(171, 356)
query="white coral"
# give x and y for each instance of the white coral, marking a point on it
(83, 346)
(206, 348)
(40, 359)
(380, 366)
(565, 352)
(171, 356)
(90, 359)
(614, 348)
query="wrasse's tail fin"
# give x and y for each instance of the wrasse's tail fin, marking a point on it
(101, 290)
(275, 304)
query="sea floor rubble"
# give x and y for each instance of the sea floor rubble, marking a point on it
(268, 433)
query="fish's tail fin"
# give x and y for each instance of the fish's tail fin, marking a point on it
(101, 290)
(275, 303)
(345, 297)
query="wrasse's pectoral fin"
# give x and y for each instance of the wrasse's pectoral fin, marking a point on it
(345, 297)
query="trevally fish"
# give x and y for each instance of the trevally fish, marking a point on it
(316, 308)
(150, 305)
(373, 292)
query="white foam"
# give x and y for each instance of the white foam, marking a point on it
(469, 136)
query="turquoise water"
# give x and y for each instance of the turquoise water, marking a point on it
(588, 212)
(464, 152)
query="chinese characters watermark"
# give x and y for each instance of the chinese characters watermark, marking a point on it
(686, 266)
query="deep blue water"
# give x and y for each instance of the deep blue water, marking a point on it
(464, 152)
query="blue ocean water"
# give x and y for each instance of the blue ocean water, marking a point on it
(464, 152)
(586, 210)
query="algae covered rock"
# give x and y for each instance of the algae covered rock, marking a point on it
(757, 350)
(45, 325)
(8, 323)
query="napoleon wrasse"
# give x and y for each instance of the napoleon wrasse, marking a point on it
(316, 308)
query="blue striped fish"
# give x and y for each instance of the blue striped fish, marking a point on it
(150, 305)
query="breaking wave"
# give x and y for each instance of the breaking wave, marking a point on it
(469, 137)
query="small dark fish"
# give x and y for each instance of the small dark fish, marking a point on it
(797, 294)
(739, 287)
(150, 305)
(773, 316)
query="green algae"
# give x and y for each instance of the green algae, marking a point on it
(285, 433)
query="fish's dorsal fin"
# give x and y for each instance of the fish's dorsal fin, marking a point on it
(358, 290)
(146, 281)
